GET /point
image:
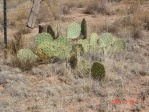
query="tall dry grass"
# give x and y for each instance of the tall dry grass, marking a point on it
(97, 7)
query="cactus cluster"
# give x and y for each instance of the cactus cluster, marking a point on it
(48, 46)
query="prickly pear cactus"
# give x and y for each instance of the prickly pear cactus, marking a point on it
(85, 44)
(42, 37)
(51, 31)
(84, 28)
(118, 45)
(73, 31)
(97, 71)
(26, 55)
(105, 39)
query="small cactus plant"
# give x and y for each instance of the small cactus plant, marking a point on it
(84, 28)
(42, 37)
(97, 71)
(73, 31)
(26, 55)
(51, 31)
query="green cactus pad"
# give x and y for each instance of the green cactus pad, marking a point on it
(59, 48)
(26, 55)
(97, 71)
(118, 45)
(85, 44)
(42, 37)
(94, 42)
(46, 49)
(105, 39)
(73, 30)
(51, 31)
(93, 39)
(62, 47)
(84, 28)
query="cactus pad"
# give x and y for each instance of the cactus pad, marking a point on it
(84, 28)
(94, 42)
(97, 71)
(73, 30)
(105, 39)
(59, 48)
(26, 55)
(85, 44)
(42, 37)
(45, 49)
(51, 31)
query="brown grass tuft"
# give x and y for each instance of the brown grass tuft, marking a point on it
(97, 7)
(144, 17)
(130, 25)
(17, 42)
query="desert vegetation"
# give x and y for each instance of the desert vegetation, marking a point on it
(90, 54)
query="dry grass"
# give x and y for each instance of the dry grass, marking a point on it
(144, 17)
(97, 7)
(129, 26)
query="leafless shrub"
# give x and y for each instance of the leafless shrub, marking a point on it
(17, 42)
